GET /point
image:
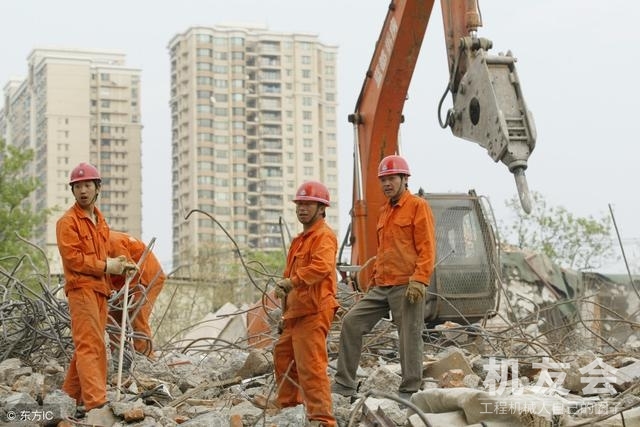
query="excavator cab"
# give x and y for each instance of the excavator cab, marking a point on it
(464, 285)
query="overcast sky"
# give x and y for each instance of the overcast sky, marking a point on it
(576, 60)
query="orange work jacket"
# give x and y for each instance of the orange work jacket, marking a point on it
(83, 247)
(132, 248)
(311, 266)
(406, 242)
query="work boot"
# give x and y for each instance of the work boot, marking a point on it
(405, 395)
(263, 403)
(80, 412)
(342, 390)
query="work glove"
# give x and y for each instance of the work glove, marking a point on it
(283, 287)
(116, 265)
(130, 266)
(415, 291)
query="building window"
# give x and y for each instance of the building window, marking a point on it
(202, 80)
(220, 97)
(236, 41)
(203, 66)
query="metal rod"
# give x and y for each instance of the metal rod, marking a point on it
(624, 256)
(123, 326)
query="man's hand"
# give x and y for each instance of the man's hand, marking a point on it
(116, 265)
(130, 266)
(415, 291)
(283, 287)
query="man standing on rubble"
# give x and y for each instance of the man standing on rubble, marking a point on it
(83, 242)
(309, 300)
(402, 270)
(144, 289)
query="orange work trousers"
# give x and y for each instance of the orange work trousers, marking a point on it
(86, 379)
(301, 361)
(140, 323)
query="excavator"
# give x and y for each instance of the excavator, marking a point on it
(488, 108)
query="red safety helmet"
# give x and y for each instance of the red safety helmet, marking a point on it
(84, 172)
(393, 165)
(312, 191)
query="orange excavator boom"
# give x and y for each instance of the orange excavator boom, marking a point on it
(488, 107)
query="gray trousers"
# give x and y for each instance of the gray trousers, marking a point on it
(364, 315)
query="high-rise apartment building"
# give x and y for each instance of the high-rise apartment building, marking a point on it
(253, 115)
(78, 106)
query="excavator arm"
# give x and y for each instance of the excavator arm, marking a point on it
(488, 107)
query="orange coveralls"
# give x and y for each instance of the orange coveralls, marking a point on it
(83, 247)
(300, 354)
(406, 242)
(151, 277)
(406, 252)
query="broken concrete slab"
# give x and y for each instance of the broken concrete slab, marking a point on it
(227, 324)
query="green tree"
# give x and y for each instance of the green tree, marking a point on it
(574, 242)
(16, 216)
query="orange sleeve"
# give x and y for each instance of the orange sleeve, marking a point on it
(321, 255)
(77, 248)
(424, 231)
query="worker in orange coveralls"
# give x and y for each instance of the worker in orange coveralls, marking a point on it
(309, 293)
(151, 279)
(83, 242)
(402, 270)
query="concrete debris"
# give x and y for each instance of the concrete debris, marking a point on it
(562, 350)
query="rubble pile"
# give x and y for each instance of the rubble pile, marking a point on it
(34, 321)
(553, 355)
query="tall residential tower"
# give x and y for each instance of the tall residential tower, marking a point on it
(253, 115)
(78, 106)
